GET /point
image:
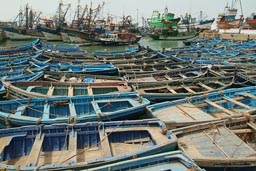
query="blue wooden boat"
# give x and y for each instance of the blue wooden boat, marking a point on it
(179, 89)
(78, 78)
(26, 77)
(21, 48)
(167, 76)
(20, 61)
(81, 146)
(46, 89)
(220, 145)
(113, 53)
(104, 107)
(21, 77)
(61, 48)
(97, 69)
(224, 104)
(21, 55)
(175, 160)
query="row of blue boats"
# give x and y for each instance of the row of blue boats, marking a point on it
(190, 108)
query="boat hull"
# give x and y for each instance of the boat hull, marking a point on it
(108, 107)
(83, 146)
(173, 38)
(17, 36)
(251, 22)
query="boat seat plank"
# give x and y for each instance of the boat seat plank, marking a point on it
(155, 132)
(35, 151)
(252, 125)
(147, 139)
(182, 75)
(90, 92)
(79, 80)
(105, 146)
(171, 90)
(70, 91)
(216, 73)
(220, 83)
(62, 79)
(249, 95)
(29, 88)
(4, 142)
(188, 89)
(72, 110)
(205, 86)
(167, 68)
(219, 107)
(20, 110)
(168, 77)
(72, 147)
(237, 103)
(218, 102)
(46, 111)
(50, 91)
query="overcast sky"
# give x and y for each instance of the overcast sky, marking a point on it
(136, 8)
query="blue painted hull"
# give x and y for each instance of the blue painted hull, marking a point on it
(20, 48)
(66, 109)
(175, 160)
(86, 139)
(112, 53)
(209, 110)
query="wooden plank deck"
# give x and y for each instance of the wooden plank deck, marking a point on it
(35, 151)
(212, 143)
(72, 147)
(105, 146)
(193, 112)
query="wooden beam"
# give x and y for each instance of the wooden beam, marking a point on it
(89, 91)
(220, 83)
(46, 114)
(252, 125)
(35, 151)
(147, 139)
(63, 78)
(105, 147)
(188, 89)
(237, 103)
(72, 110)
(167, 68)
(205, 86)
(72, 147)
(50, 91)
(218, 102)
(250, 95)
(70, 91)
(243, 131)
(219, 107)
(168, 77)
(182, 75)
(171, 90)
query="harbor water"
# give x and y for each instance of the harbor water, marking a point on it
(145, 41)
